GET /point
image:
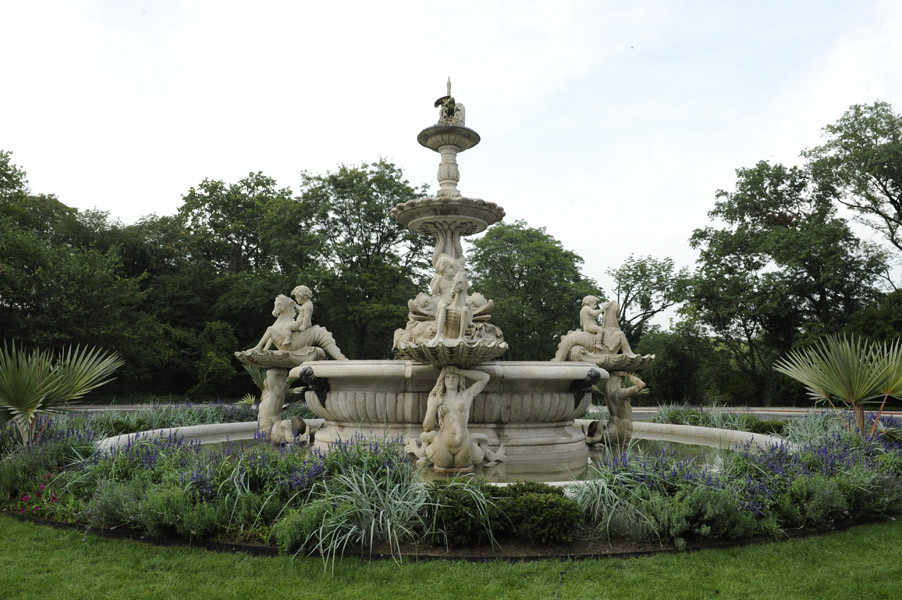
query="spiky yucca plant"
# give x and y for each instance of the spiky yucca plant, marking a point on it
(38, 382)
(851, 371)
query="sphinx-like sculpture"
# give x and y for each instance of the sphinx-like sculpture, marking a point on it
(604, 345)
(291, 340)
(446, 441)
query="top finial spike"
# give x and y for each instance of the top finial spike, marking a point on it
(449, 87)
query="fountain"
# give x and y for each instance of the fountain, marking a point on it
(455, 406)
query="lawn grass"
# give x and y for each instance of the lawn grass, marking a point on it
(39, 562)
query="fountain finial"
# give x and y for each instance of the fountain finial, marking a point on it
(449, 86)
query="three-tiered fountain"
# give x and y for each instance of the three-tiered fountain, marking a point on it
(455, 406)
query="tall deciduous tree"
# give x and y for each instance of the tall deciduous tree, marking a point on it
(645, 287)
(862, 159)
(781, 268)
(535, 284)
(369, 265)
(12, 178)
(230, 221)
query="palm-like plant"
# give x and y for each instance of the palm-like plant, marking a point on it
(847, 370)
(38, 382)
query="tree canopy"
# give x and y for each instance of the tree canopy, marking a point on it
(862, 161)
(781, 269)
(175, 295)
(535, 284)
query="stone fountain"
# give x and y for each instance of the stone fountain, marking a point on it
(454, 405)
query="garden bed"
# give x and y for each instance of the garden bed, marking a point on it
(363, 497)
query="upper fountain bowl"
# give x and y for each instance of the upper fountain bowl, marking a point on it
(436, 136)
(422, 214)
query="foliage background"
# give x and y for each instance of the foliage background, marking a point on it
(779, 266)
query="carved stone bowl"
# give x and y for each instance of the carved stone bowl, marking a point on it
(279, 359)
(436, 136)
(452, 352)
(466, 215)
(619, 362)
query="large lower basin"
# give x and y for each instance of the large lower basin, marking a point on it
(527, 406)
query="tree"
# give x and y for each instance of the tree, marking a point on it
(369, 266)
(231, 221)
(12, 179)
(535, 284)
(782, 269)
(644, 287)
(862, 160)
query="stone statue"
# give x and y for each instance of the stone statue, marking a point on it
(304, 305)
(292, 334)
(446, 440)
(449, 319)
(605, 345)
(619, 428)
(453, 315)
(287, 343)
(610, 338)
(450, 111)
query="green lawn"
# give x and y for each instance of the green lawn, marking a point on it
(39, 562)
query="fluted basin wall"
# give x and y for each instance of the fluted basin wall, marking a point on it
(397, 392)
(408, 407)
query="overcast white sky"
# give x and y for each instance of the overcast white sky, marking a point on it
(591, 113)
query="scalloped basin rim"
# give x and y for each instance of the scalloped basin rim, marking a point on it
(408, 369)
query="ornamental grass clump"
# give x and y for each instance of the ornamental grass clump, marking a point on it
(849, 371)
(714, 416)
(166, 416)
(610, 501)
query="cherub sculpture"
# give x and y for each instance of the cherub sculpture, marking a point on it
(288, 342)
(605, 344)
(292, 334)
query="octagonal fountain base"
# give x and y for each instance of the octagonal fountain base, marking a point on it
(527, 406)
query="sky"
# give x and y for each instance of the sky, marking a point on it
(611, 124)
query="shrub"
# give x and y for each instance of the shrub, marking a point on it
(250, 510)
(297, 527)
(818, 499)
(891, 463)
(526, 487)
(544, 518)
(162, 510)
(669, 516)
(116, 503)
(461, 512)
(768, 426)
